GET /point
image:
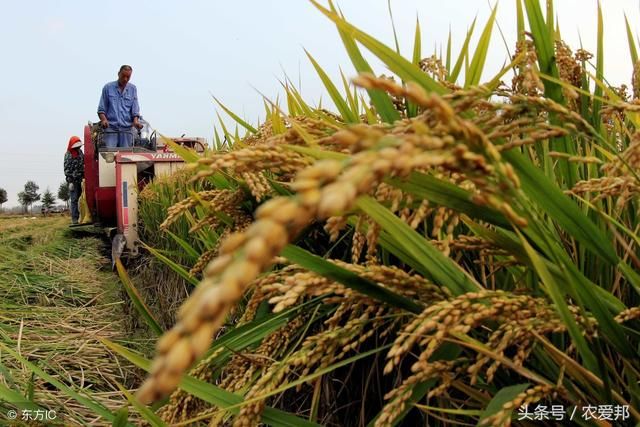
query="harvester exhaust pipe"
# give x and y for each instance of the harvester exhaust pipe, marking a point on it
(117, 247)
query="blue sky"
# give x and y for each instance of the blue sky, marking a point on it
(57, 55)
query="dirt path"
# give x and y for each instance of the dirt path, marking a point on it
(58, 299)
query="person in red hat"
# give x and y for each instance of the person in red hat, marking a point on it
(74, 172)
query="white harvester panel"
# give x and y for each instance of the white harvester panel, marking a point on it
(128, 166)
(106, 170)
(128, 214)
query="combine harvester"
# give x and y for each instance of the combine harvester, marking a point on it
(114, 177)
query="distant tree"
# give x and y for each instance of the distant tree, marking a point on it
(29, 195)
(3, 197)
(48, 199)
(22, 198)
(63, 193)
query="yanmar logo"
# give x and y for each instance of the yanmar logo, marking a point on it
(172, 156)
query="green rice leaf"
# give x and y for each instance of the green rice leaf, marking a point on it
(122, 416)
(189, 156)
(379, 99)
(457, 68)
(315, 374)
(370, 113)
(213, 394)
(443, 270)
(292, 104)
(181, 271)
(561, 208)
(392, 245)
(316, 152)
(447, 194)
(447, 351)
(15, 398)
(472, 78)
(87, 401)
(412, 108)
(541, 35)
(543, 40)
(235, 117)
(448, 60)
(597, 105)
(407, 71)
(417, 45)
(225, 131)
(549, 18)
(553, 289)
(347, 278)
(393, 27)
(506, 394)
(137, 299)
(632, 45)
(509, 242)
(252, 333)
(219, 143)
(277, 124)
(189, 250)
(520, 20)
(304, 108)
(611, 330)
(347, 114)
(352, 98)
(496, 80)
(237, 138)
(148, 415)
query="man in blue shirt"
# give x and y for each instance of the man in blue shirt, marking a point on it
(119, 111)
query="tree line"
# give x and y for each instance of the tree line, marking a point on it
(29, 195)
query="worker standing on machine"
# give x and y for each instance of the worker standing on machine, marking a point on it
(74, 172)
(119, 111)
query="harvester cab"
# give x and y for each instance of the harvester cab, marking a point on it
(114, 177)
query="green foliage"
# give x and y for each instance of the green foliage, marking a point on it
(48, 199)
(63, 192)
(29, 195)
(3, 197)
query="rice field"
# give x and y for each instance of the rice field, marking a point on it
(58, 301)
(445, 248)
(445, 252)
(441, 247)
